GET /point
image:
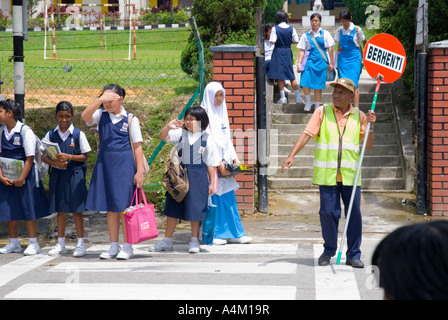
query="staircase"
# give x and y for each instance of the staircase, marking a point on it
(383, 166)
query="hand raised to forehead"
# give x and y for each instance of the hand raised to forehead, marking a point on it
(109, 96)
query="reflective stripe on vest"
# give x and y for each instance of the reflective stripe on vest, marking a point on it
(326, 150)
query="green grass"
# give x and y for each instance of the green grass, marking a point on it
(153, 44)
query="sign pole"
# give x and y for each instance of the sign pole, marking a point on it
(361, 157)
(384, 60)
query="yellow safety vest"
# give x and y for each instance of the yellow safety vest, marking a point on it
(328, 145)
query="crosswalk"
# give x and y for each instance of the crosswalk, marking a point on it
(257, 271)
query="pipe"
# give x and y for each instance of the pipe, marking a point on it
(422, 127)
(262, 172)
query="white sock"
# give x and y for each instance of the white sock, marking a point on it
(114, 245)
(61, 241)
(308, 98)
(127, 247)
(316, 104)
(80, 242)
(297, 93)
(194, 239)
(168, 240)
(32, 240)
(282, 94)
(14, 240)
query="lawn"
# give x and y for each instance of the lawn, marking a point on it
(154, 44)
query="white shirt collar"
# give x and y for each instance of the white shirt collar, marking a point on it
(70, 129)
(350, 27)
(311, 32)
(16, 128)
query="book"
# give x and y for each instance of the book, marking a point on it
(51, 149)
(235, 169)
(11, 168)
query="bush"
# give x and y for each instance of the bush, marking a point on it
(271, 9)
(397, 17)
(220, 22)
(163, 15)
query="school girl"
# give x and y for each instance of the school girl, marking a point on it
(314, 76)
(23, 198)
(198, 153)
(349, 62)
(268, 46)
(67, 186)
(281, 69)
(228, 226)
(116, 173)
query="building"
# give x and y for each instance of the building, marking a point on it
(299, 8)
(6, 6)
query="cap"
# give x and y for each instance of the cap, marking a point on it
(346, 83)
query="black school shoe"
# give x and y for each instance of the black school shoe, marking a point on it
(355, 263)
(324, 260)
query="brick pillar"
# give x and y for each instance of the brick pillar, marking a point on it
(438, 129)
(234, 68)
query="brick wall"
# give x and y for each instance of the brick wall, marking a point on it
(438, 131)
(234, 68)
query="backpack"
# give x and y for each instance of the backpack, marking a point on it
(40, 167)
(175, 179)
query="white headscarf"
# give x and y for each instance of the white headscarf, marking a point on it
(219, 126)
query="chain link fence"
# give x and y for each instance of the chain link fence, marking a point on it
(156, 92)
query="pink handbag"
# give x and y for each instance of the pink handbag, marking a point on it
(140, 220)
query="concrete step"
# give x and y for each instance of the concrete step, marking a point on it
(377, 150)
(298, 128)
(303, 118)
(307, 172)
(370, 161)
(327, 97)
(290, 139)
(292, 107)
(292, 184)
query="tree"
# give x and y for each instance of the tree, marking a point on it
(220, 22)
(271, 9)
(397, 17)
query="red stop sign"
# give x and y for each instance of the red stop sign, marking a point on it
(384, 54)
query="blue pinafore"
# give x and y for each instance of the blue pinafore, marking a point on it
(349, 59)
(281, 61)
(194, 205)
(29, 202)
(112, 184)
(315, 74)
(67, 187)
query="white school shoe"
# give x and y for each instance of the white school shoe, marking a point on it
(32, 249)
(194, 247)
(111, 253)
(242, 240)
(162, 245)
(282, 101)
(219, 242)
(299, 100)
(125, 254)
(11, 248)
(57, 250)
(308, 105)
(79, 251)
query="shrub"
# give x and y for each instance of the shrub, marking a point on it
(220, 22)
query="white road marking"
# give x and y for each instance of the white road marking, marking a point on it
(180, 267)
(334, 282)
(124, 291)
(18, 267)
(253, 248)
